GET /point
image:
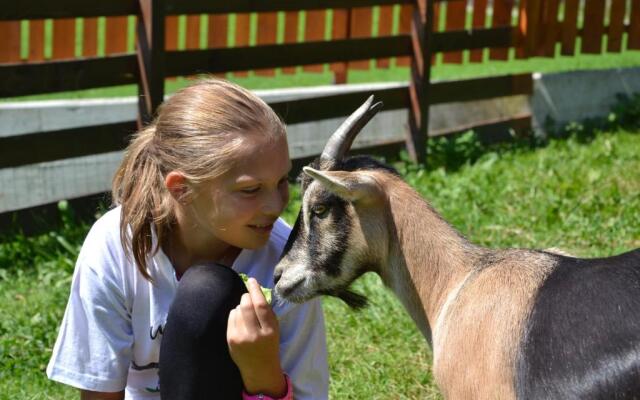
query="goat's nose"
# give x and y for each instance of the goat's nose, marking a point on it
(276, 276)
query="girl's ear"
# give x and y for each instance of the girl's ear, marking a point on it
(176, 184)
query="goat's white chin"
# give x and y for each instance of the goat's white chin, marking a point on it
(295, 298)
(294, 289)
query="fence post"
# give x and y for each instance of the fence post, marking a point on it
(421, 35)
(151, 55)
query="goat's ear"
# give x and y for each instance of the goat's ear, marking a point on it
(351, 186)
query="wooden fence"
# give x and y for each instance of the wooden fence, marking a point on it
(558, 21)
(73, 44)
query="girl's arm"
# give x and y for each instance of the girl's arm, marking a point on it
(87, 395)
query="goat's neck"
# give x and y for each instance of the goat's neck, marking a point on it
(428, 259)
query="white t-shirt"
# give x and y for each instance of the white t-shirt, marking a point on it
(110, 335)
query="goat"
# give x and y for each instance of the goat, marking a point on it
(503, 324)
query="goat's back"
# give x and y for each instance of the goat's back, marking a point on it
(582, 338)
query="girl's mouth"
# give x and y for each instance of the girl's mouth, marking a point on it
(262, 228)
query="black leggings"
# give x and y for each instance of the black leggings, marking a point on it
(194, 357)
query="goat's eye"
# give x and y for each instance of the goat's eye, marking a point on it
(319, 210)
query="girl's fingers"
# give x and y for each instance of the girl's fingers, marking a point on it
(263, 310)
(256, 293)
(248, 318)
(232, 327)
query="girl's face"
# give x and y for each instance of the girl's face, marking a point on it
(240, 207)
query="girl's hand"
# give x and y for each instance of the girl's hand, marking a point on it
(254, 343)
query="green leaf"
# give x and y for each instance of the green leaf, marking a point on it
(265, 291)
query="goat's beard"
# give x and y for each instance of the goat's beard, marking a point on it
(354, 300)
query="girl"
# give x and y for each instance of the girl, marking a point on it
(157, 308)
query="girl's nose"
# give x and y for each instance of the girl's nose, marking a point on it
(274, 204)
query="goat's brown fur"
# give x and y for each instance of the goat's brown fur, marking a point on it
(476, 339)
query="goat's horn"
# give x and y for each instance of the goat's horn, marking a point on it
(341, 140)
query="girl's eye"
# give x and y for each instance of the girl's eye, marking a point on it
(250, 190)
(319, 210)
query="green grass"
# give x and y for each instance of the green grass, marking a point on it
(580, 193)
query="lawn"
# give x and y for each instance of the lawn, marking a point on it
(580, 193)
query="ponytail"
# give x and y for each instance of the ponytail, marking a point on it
(138, 187)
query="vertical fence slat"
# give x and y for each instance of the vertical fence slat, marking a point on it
(90, 37)
(404, 27)
(291, 20)
(521, 45)
(10, 43)
(455, 20)
(242, 31)
(361, 25)
(549, 28)
(478, 22)
(171, 33)
(171, 25)
(436, 17)
(616, 25)
(192, 32)
(385, 28)
(314, 25)
(570, 27)
(192, 35)
(340, 30)
(36, 40)
(593, 26)
(116, 35)
(501, 17)
(633, 38)
(267, 34)
(64, 38)
(218, 33)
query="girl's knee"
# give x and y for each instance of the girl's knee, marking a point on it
(204, 278)
(205, 296)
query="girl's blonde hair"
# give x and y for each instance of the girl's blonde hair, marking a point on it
(198, 132)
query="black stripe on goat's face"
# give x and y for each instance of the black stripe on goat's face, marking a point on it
(326, 250)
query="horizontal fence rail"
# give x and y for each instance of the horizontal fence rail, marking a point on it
(38, 9)
(60, 76)
(68, 143)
